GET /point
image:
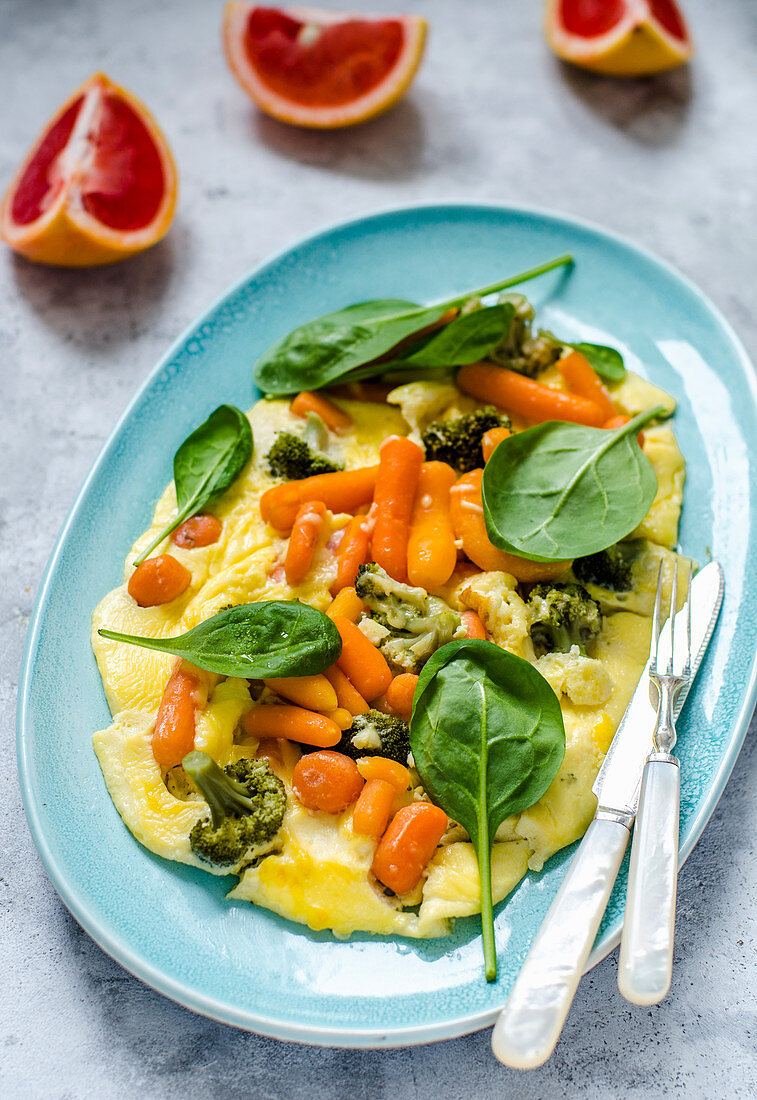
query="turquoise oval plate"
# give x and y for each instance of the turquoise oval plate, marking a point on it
(171, 925)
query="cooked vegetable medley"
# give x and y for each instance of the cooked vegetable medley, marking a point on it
(377, 639)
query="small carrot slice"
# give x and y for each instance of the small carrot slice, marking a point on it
(491, 440)
(580, 377)
(348, 697)
(407, 845)
(303, 539)
(353, 551)
(381, 767)
(343, 491)
(326, 781)
(311, 692)
(331, 415)
(346, 603)
(159, 580)
(341, 716)
(294, 723)
(468, 519)
(199, 530)
(618, 421)
(474, 628)
(431, 551)
(360, 661)
(400, 461)
(530, 399)
(399, 694)
(174, 733)
(373, 807)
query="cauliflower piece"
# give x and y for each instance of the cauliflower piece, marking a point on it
(502, 611)
(422, 402)
(584, 680)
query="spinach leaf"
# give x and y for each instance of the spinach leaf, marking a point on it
(206, 464)
(335, 344)
(464, 340)
(560, 491)
(253, 640)
(487, 737)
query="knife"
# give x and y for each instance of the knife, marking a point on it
(530, 1024)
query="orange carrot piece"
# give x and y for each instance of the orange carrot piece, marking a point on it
(331, 415)
(352, 552)
(343, 491)
(580, 377)
(346, 603)
(159, 580)
(491, 440)
(303, 539)
(327, 781)
(294, 723)
(348, 697)
(407, 846)
(431, 550)
(381, 767)
(373, 807)
(360, 661)
(174, 733)
(341, 716)
(521, 395)
(311, 692)
(474, 628)
(270, 750)
(199, 530)
(618, 421)
(400, 461)
(399, 694)
(468, 519)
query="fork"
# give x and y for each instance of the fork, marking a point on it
(646, 950)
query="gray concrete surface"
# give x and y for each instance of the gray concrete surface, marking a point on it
(671, 162)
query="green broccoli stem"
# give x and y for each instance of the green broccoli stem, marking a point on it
(225, 796)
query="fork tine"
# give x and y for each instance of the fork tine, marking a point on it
(656, 621)
(672, 617)
(687, 663)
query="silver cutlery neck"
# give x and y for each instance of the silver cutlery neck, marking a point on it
(668, 687)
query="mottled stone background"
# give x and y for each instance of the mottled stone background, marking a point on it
(672, 162)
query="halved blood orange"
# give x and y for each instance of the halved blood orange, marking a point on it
(319, 68)
(99, 183)
(619, 37)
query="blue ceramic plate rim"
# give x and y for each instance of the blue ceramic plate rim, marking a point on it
(77, 903)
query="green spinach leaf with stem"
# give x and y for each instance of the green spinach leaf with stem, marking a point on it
(335, 344)
(606, 361)
(464, 340)
(253, 640)
(206, 464)
(559, 491)
(487, 738)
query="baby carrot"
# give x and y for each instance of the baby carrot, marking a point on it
(302, 541)
(581, 378)
(294, 723)
(348, 697)
(381, 767)
(491, 440)
(341, 716)
(327, 781)
(199, 530)
(431, 552)
(312, 692)
(407, 846)
(618, 421)
(524, 396)
(343, 491)
(400, 461)
(159, 580)
(468, 520)
(360, 661)
(373, 807)
(174, 733)
(399, 694)
(474, 628)
(331, 415)
(353, 551)
(346, 603)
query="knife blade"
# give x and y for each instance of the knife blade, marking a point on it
(618, 782)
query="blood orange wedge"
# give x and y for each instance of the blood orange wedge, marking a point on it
(99, 183)
(618, 37)
(319, 68)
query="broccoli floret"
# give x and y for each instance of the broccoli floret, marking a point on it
(417, 624)
(247, 803)
(611, 568)
(457, 441)
(521, 350)
(376, 734)
(562, 615)
(292, 457)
